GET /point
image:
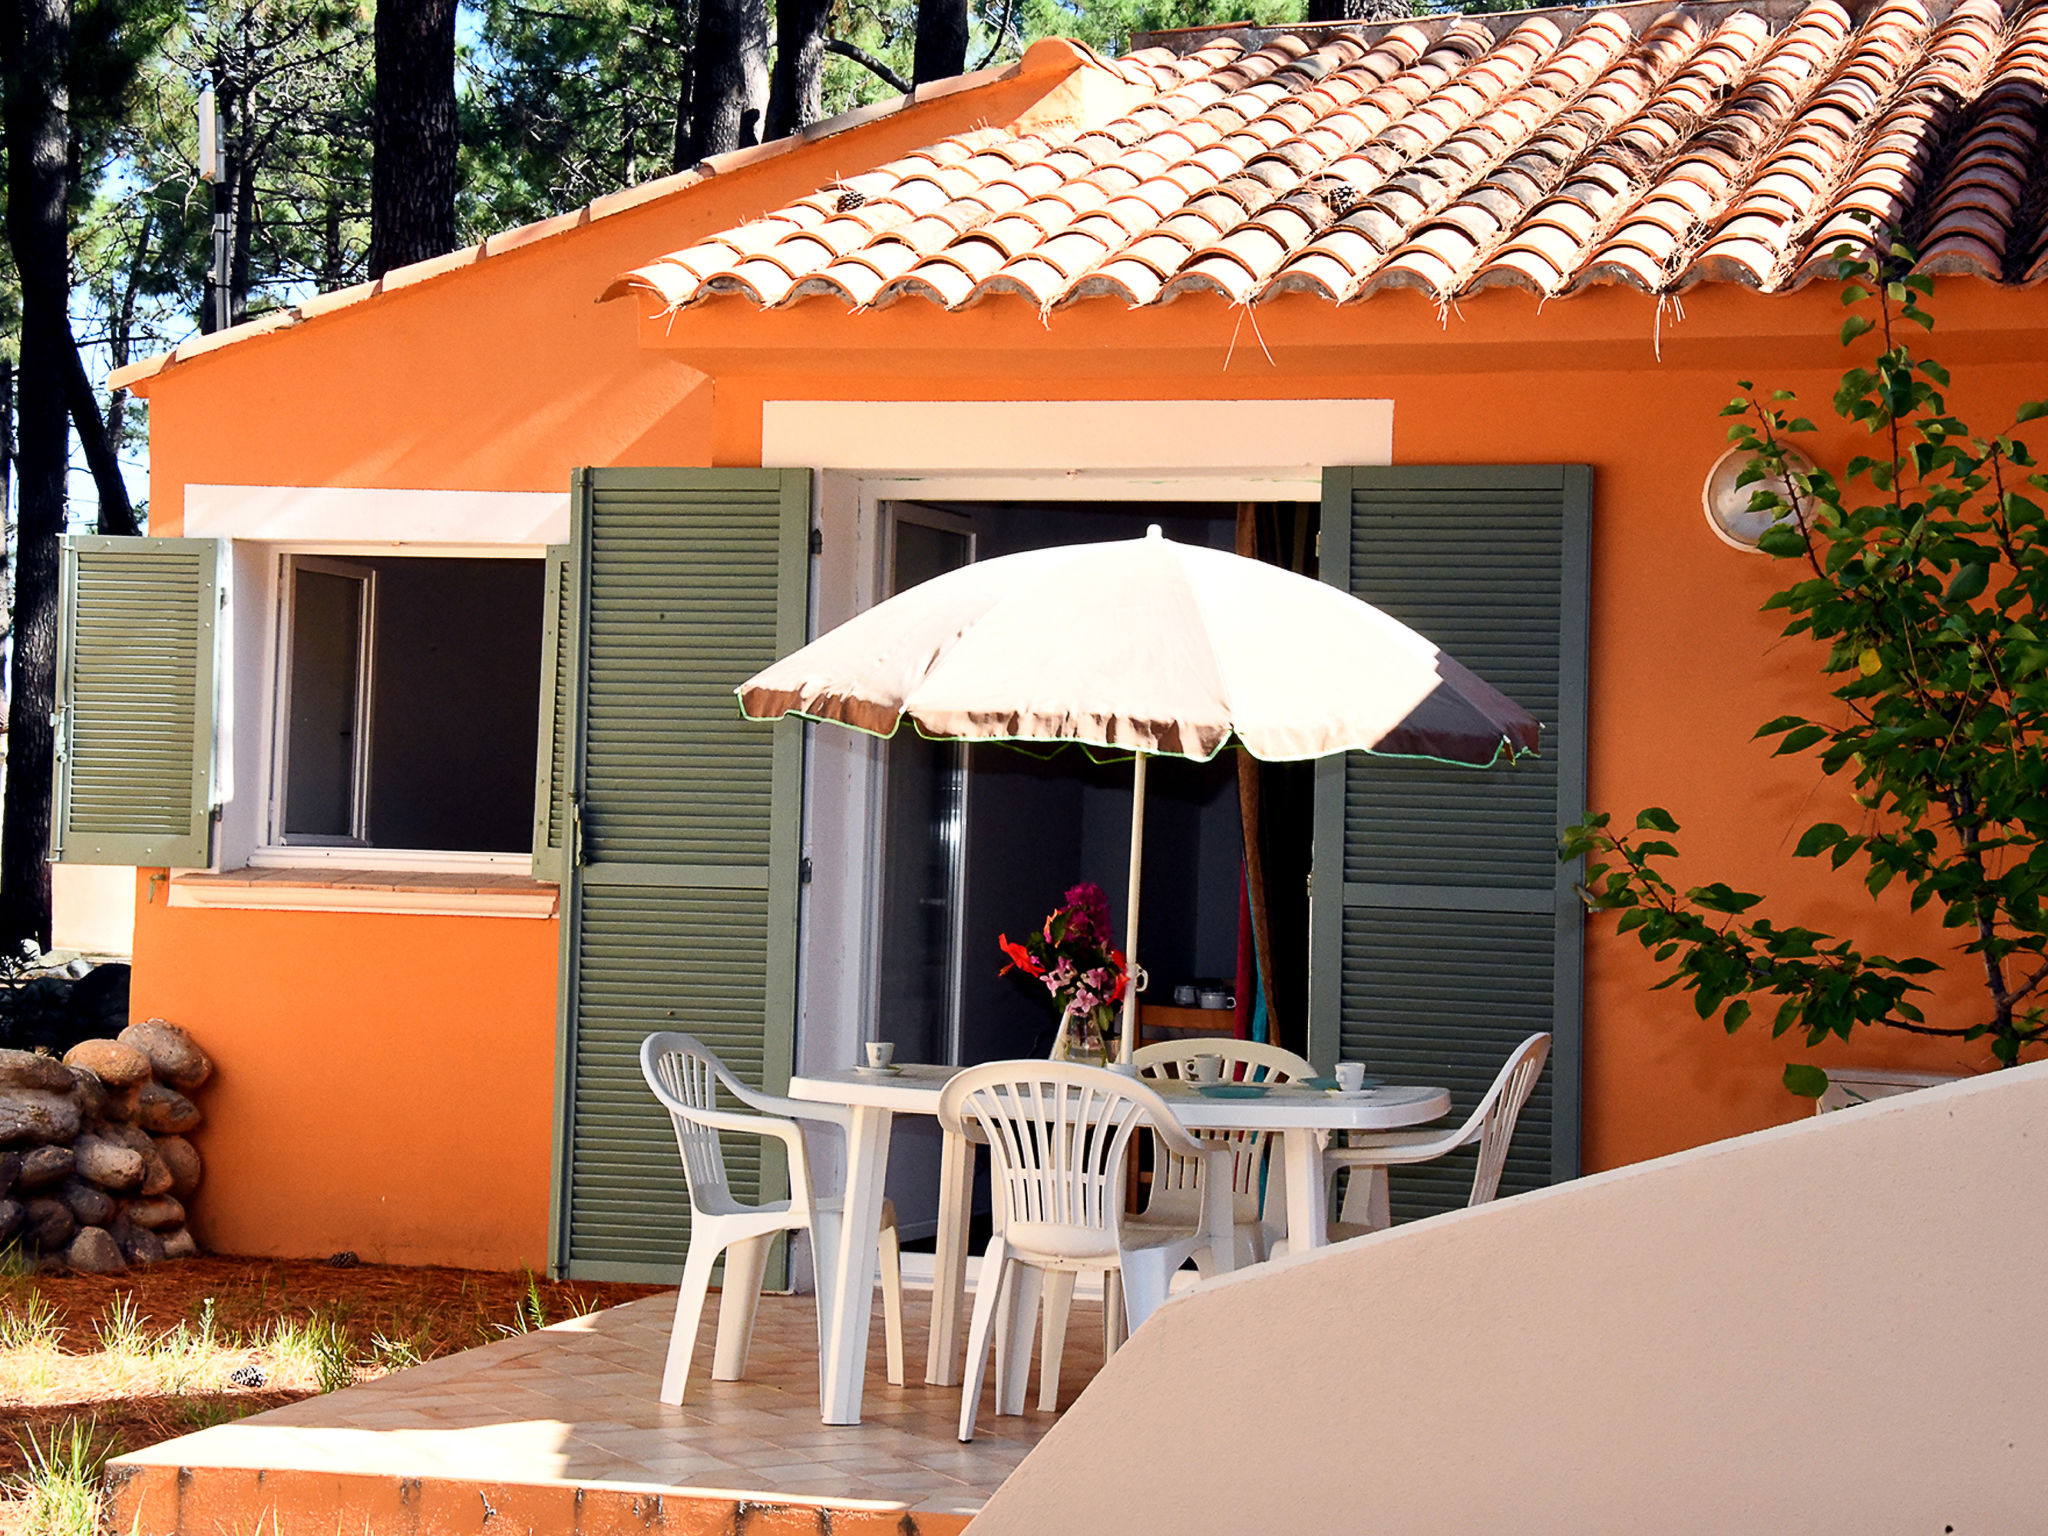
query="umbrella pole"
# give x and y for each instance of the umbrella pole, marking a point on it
(1130, 1030)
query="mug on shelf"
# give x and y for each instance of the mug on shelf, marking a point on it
(1184, 995)
(1216, 997)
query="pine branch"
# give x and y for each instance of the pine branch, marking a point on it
(867, 61)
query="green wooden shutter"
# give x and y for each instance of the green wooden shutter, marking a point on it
(680, 908)
(551, 760)
(1444, 928)
(135, 701)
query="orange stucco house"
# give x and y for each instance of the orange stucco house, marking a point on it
(429, 764)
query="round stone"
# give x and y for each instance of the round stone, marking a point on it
(113, 1063)
(186, 1167)
(179, 1243)
(157, 1213)
(165, 1111)
(31, 1069)
(35, 1114)
(94, 1252)
(43, 1167)
(91, 1092)
(91, 1205)
(173, 1055)
(108, 1164)
(48, 1224)
(139, 1244)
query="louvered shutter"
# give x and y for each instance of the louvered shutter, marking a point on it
(135, 701)
(681, 897)
(551, 759)
(1444, 928)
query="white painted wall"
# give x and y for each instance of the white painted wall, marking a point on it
(1822, 1327)
(92, 908)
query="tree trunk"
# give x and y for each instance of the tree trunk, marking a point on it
(412, 140)
(729, 85)
(330, 247)
(1359, 10)
(241, 225)
(796, 95)
(941, 41)
(116, 515)
(35, 47)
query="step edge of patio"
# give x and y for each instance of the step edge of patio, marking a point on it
(154, 1495)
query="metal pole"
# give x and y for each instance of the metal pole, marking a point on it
(223, 300)
(1130, 1031)
(213, 168)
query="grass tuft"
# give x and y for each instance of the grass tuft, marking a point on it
(121, 1332)
(61, 1488)
(29, 1323)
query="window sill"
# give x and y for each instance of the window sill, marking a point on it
(406, 892)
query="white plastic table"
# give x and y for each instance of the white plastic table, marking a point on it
(846, 1278)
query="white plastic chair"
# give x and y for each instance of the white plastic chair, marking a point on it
(1174, 1195)
(1057, 1135)
(685, 1076)
(1492, 1125)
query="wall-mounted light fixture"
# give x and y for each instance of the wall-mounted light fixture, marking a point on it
(1727, 503)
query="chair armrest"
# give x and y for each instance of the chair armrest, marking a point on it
(788, 1109)
(1172, 1135)
(738, 1124)
(1376, 1149)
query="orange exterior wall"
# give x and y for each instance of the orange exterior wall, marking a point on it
(1684, 666)
(385, 1083)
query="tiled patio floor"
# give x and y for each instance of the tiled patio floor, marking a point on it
(576, 1404)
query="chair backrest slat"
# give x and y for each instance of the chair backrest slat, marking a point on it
(1499, 1111)
(688, 1072)
(1244, 1061)
(1057, 1135)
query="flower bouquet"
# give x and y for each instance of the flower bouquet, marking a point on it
(1071, 954)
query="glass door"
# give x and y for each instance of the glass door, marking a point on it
(923, 836)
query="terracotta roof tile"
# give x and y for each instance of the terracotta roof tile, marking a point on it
(1547, 152)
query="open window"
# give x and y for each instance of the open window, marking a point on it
(408, 690)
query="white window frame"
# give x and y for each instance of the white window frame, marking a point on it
(889, 515)
(356, 838)
(270, 850)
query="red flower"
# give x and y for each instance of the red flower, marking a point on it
(1020, 957)
(1123, 975)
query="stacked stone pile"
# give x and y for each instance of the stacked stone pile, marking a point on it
(95, 1170)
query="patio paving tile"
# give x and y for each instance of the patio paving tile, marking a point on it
(578, 1404)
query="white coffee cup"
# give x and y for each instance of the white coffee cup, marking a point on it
(881, 1053)
(1205, 1068)
(1351, 1075)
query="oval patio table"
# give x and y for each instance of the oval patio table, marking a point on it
(846, 1276)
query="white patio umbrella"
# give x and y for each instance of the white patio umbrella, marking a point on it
(1151, 647)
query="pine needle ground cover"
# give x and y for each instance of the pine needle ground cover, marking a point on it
(93, 1366)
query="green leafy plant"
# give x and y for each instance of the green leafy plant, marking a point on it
(1922, 576)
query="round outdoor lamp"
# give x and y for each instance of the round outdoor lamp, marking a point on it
(1727, 503)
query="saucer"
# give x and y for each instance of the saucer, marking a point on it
(891, 1070)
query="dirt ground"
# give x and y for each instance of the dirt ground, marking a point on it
(386, 1315)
